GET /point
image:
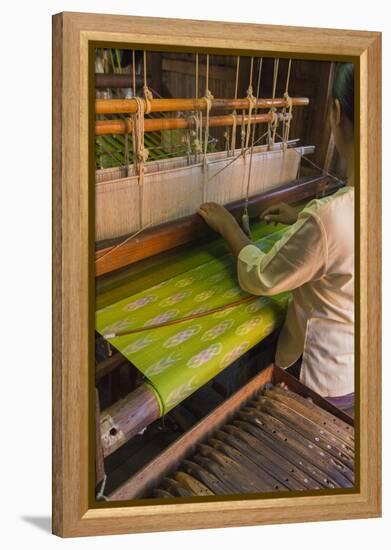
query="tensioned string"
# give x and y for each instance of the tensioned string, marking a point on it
(133, 235)
(245, 217)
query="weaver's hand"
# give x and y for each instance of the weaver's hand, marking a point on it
(217, 217)
(280, 213)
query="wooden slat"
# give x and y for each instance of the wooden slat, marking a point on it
(171, 458)
(116, 106)
(122, 126)
(108, 365)
(297, 387)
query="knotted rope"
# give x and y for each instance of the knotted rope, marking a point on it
(208, 98)
(254, 101)
(273, 124)
(233, 139)
(288, 116)
(140, 151)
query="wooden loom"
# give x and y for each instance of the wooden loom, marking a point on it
(139, 226)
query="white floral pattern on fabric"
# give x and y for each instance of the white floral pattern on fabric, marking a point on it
(185, 282)
(235, 353)
(199, 309)
(139, 344)
(216, 278)
(182, 336)
(232, 292)
(162, 318)
(161, 285)
(179, 394)
(141, 302)
(256, 306)
(163, 364)
(124, 324)
(248, 326)
(217, 330)
(175, 298)
(223, 313)
(204, 356)
(202, 296)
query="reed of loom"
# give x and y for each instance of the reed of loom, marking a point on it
(164, 237)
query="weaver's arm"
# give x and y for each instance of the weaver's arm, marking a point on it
(298, 257)
(220, 220)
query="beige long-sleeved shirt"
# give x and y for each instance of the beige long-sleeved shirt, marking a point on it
(315, 261)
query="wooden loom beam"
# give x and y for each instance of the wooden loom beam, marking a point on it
(122, 126)
(116, 106)
(172, 234)
(116, 80)
(127, 417)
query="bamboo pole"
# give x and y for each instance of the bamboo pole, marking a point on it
(116, 106)
(127, 417)
(118, 126)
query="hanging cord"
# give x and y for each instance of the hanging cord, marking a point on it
(187, 138)
(100, 495)
(208, 98)
(197, 142)
(196, 145)
(246, 217)
(126, 150)
(226, 136)
(233, 134)
(133, 118)
(233, 142)
(324, 172)
(243, 133)
(251, 103)
(272, 125)
(141, 153)
(287, 115)
(148, 96)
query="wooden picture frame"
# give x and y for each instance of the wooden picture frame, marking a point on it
(74, 512)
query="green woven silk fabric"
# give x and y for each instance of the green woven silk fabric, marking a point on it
(179, 359)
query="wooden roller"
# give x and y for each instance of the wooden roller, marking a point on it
(127, 417)
(116, 106)
(122, 126)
